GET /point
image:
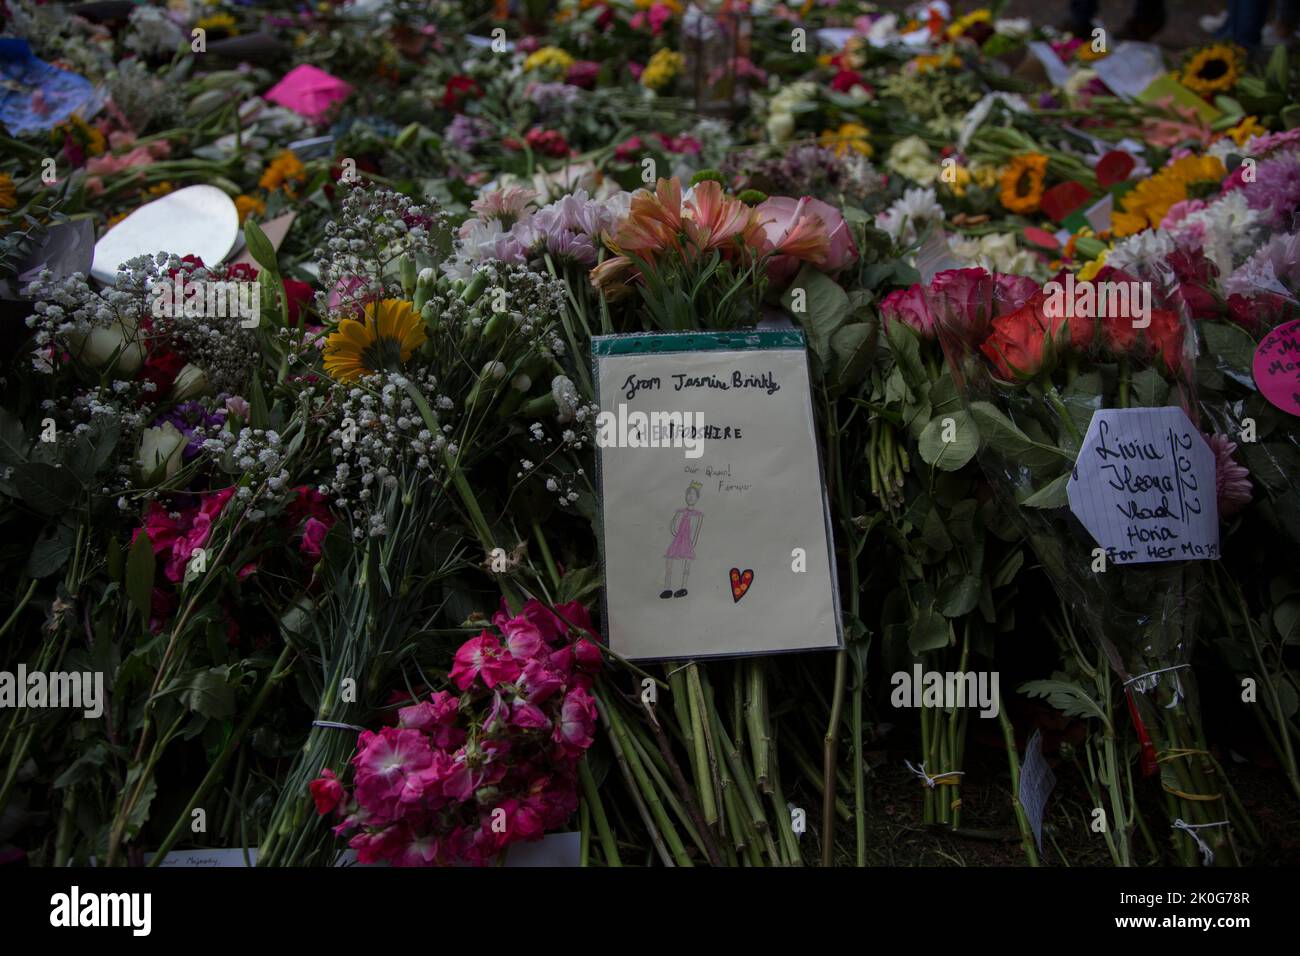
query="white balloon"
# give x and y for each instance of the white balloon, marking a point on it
(197, 220)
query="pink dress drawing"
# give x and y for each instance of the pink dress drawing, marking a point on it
(681, 546)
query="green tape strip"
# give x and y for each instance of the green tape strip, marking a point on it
(651, 343)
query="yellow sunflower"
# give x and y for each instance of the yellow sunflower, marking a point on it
(389, 333)
(1213, 69)
(1146, 204)
(8, 192)
(959, 26)
(1022, 182)
(849, 137)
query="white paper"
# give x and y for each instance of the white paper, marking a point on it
(1144, 486)
(1036, 783)
(1130, 68)
(206, 859)
(1100, 212)
(728, 552)
(1057, 71)
(835, 37)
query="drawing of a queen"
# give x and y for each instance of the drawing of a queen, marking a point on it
(685, 529)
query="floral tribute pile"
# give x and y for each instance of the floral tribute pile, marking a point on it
(306, 490)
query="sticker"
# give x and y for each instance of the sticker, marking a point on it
(1144, 487)
(1277, 367)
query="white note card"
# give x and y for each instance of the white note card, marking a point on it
(1036, 783)
(1144, 487)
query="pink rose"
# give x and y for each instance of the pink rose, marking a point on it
(908, 306)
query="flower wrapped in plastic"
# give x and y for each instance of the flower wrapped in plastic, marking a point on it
(1033, 366)
(466, 774)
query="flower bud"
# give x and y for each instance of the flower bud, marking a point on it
(191, 381)
(159, 455)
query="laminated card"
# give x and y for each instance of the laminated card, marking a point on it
(715, 528)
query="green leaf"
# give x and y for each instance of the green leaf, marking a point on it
(930, 631)
(1276, 71)
(84, 767)
(208, 692)
(1070, 699)
(51, 551)
(1051, 495)
(825, 308)
(49, 489)
(854, 345)
(140, 568)
(13, 443)
(1286, 618)
(949, 442)
(259, 247)
(92, 449)
(1233, 349)
(1002, 434)
(1148, 388)
(958, 595)
(1006, 572)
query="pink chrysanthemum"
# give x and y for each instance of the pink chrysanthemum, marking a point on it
(1232, 481)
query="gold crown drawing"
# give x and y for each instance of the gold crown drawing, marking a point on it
(695, 485)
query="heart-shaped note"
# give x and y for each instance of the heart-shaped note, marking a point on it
(740, 582)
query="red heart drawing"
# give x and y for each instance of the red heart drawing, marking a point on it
(740, 583)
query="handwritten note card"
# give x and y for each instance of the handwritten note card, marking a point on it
(715, 526)
(1144, 486)
(1036, 783)
(1277, 367)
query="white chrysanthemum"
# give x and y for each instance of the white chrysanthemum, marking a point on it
(909, 216)
(1142, 252)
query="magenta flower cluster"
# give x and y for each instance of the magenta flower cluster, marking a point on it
(463, 776)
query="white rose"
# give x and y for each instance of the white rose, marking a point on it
(160, 453)
(191, 381)
(120, 341)
(780, 126)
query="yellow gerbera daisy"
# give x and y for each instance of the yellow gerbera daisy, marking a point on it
(849, 137)
(661, 69)
(1022, 182)
(1146, 204)
(1213, 69)
(1243, 131)
(388, 335)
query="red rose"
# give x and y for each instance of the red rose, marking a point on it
(298, 296)
(1165, 336)
(1015, 344)
(459, 89)
(845, 80)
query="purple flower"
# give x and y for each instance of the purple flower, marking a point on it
(466, 132)
(194, 422)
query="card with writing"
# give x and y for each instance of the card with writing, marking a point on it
(1144, 486)
(715, 527)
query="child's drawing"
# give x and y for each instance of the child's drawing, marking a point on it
(685, 529)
